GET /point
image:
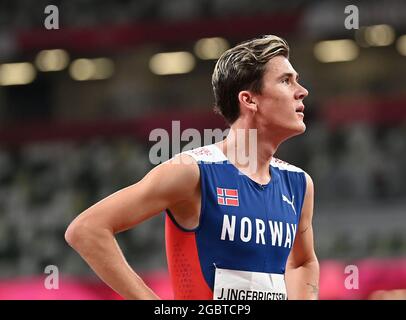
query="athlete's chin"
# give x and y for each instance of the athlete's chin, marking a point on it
(296, 131)
(292, 132)
(298, 128)
(302, 128)
(288, 131)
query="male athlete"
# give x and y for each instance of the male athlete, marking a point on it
(235, 229)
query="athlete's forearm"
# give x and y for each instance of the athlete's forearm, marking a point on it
(100, 250)
(302, 283)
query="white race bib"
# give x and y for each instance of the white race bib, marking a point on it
(248, 285)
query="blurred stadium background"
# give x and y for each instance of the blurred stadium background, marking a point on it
(77, 105)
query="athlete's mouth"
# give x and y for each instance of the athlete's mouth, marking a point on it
(300, 108)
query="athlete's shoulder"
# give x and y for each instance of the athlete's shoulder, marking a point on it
(209, 153)
(283, 165)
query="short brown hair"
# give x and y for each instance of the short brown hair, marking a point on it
(242, 68)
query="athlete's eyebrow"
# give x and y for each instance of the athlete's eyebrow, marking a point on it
(290, 75)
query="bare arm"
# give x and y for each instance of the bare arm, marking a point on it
(302, 267)
(91, 234)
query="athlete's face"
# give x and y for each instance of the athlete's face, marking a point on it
(280, 104)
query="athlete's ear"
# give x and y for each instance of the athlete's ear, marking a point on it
(247, 102)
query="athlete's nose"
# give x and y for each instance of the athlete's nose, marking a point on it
(301, 93)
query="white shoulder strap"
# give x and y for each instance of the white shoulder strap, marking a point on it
(282, 165)
(209, 153)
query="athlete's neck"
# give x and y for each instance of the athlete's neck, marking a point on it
(250, 152)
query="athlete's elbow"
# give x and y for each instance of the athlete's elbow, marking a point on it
(312, 263)
(73, 234)
(80, 233)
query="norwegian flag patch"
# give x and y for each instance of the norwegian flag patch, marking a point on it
(227, 197)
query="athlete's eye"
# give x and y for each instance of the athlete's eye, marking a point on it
(286, 80)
